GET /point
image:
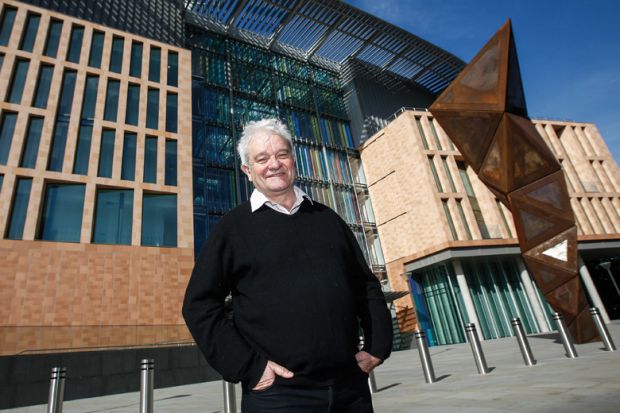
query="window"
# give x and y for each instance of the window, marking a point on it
(18, 80)
(106, 153)
(75, 44)
(434, 131)
(434, 172)
(30, 32)
(59, 140)
(418, 122)
(6, 24)
(1, 181)
(503, 216)
(116, 59)
(90, 97)
(154, 64)
(59, 137)
(113, 216)
(96, 49)
(135, 63)
(171, 162)
(66, 95)
(171, 112)
(159, 220)
(31, 143)
(61, 217)
(459, 205)
(128, 166)
(82, 150)
(42, 89)
(111, 100)
(446, 210)
(53, 38)
(17, 216)
(7, 127)
(150, 159)
(473, 201)
(133, 104)
(173, 69)
(152, 109)
(1, 60)
(446, 168)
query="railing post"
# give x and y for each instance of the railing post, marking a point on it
(147, 375)
(425, 357)
(567, 341)
(57, 390)
(602, 329)
(230, 399)
(372, 382)
(524, 345)
(476, 349)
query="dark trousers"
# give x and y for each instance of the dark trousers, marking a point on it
(351, 396)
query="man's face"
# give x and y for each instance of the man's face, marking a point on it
(270, 165)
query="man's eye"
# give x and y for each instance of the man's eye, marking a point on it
(284, 155)
(261, 160)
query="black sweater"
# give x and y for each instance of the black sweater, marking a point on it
(299, 283)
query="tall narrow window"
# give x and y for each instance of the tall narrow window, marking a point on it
(503, 216)
(1, 182)
(446, 210)
(173, 69)
(135, 63)
(6, 24)
(446, 168)
(30, 32)
(63, 114)
(42, 90)
(171, 162)
(61, 217)
(171, 112)
(18, 80)
(31, 143)
(111, 100)
(159, 220)
(418, 122)
(128, 166)
(150, 159)
(75, 44)
(133, 104)
(152, 109)
(53, 38)
(106, 153)
(116, 59)
(7, 127)
(459, 206)
(113, 216)
(96, 49)
(434, 131)
(434, 172)
(82, 150)
(19, 208)
(154, 64)
(1, 60)
(473, 201)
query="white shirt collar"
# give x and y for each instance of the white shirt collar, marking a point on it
(258, 199)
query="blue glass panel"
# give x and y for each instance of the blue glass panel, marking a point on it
(59, 140)
(6, 24)
(53, 38)
(159, 220)
(75, 44)
(19, 79)
(7, 127)
(113, 216)
(128, 167)
(210, 104)
(90, 97)
(213, 145)
(1, 181)
(31, 144)
(42, 90)
(171, 162)
(133, 104)
(135, 63)
(154, 64)
(30, 32)
(82, 150)
(221, 190)
(116, 59)
(152, 109)
(20, 207)
(173, 69)
(96, 49)
(106, 153)
(150, 159)
(111, 100)
(1, 60)
(171, 112)
(61, 218)
(66, 95)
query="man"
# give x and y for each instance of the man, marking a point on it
(300, 291)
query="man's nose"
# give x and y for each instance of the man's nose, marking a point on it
(274, 162)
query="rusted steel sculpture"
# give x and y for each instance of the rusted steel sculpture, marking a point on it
(483, 111)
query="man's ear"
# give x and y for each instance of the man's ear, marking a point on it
(246, 170)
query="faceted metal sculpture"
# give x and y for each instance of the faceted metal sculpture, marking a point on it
(483, 111)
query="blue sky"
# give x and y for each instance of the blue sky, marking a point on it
(569, 51)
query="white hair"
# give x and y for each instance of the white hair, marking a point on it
(270, 126)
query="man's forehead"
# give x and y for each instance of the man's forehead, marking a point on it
(264, 142)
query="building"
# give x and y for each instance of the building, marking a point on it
(449, 241)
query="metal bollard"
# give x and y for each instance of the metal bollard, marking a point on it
(57, 390)
(425, 357)
(524, 345)
(481, 363)
(230, 399)
(567, 341)
(147, 376)
(602, 329)
(372, 382)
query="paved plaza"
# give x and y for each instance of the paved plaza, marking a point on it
(589, 383)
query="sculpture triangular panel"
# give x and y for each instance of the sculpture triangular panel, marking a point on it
(515, 97)
(559, 251)
(549, 193)
(547, 278)
(582, 328)
(494, 168)
(567, 299)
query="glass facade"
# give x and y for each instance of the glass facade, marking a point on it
(116, 58)
(172, 114)
(75, 44)
(16, 89)
(113, 216)
(31, 142)
(7, 127)
(42, 89)
(96, 49)
(154, 64)
(152, 109)
(61, 217)
(29, 35)
(82, 152)
(150, 159)
(111, 100)
(173, 69)
(6, 24)
(171, 162)
(135, 62)
(128, 166)
(133, 104)
(63, 114)
(53, 38)
(106, 153)
(19, 208)
(159, 220)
